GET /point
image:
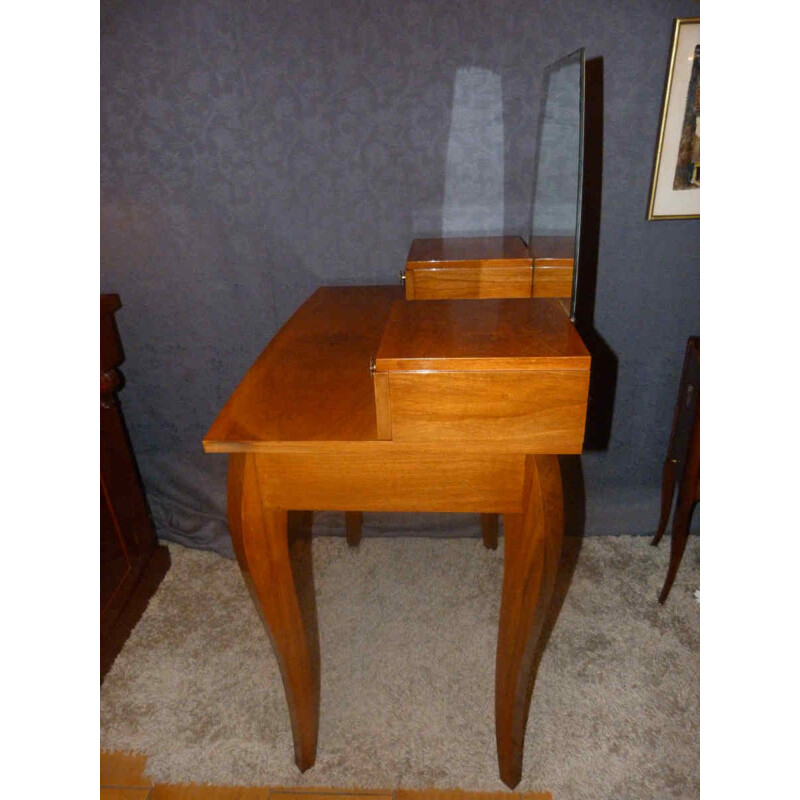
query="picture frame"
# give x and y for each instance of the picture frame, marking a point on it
(675, 188)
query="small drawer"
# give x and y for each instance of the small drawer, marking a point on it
(510, 372)
(468, 268)
(539, 411)
(468, 282)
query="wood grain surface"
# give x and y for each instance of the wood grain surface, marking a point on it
(470, 282)
(468, 268)
(498, 334)
(365, 401)
(467, 250)
(260, 535)
(536, 411)
(530, 564)
(404, 479)
(312, 381)
(552, 281)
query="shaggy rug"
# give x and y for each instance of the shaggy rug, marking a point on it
(407, 632)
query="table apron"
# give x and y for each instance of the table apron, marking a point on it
(404, 481)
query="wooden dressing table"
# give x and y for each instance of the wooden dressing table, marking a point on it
(459, 401)
(366, 401)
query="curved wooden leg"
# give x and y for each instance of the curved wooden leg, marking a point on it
(261, 541)
(680, 535)
(489, 525)
(532, 551)
(352, 521)
(688, 495)
(667, 491)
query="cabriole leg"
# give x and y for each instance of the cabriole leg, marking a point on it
(532, 551)
(261, 541)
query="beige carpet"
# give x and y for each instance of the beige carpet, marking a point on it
(407, 630)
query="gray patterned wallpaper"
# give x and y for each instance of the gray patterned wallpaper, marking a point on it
(252, 151)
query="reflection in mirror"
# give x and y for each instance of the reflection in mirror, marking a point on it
(558, 177)
(474, 190)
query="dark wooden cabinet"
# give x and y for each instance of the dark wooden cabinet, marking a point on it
(132, 563)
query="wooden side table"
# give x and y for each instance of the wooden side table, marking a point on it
(682, 464)
(363, 400)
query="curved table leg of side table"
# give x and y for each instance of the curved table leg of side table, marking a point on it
(282, 590)
(532, 551)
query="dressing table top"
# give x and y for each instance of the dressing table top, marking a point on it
(312, 385)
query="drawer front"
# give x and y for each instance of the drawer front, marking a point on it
(540, 411)
(468, 282)
(400, 479)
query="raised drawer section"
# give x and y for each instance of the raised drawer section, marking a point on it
(541, 411)
(469, 282)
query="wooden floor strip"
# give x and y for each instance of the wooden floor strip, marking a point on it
(119, 793)
(122, 778)
(163, 791)
(439, 794)
(328, 794)
(123, 769)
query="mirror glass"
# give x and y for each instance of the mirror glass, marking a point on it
(558, 173)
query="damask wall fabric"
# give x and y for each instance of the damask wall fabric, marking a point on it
(252, 151)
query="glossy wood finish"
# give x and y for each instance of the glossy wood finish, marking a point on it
(480, 268)
(552, 281)
(383, 411)
(261, 541)
(313, 426)
(532, 551)
(471, 251)
(311, 389)
(507, 370)
(132, 563)
(542, 411)
(312, 382)
(469, 282)
(491, 266)
(499, 334)
(400, 479)
(468, 268)
(553, 264)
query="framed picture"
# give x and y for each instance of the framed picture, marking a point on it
(675, 192)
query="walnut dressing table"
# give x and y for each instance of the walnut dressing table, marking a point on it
(366, 401)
